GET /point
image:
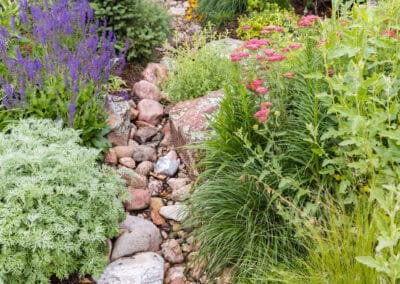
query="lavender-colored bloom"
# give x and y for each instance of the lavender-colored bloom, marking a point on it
(71, 112)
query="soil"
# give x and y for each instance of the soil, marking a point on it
(132, 73)
(73, 279)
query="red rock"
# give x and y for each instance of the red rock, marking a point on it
(139, 199)
(134, 113)
(111, 157)
(175, 275)
(150, 111)
(146, 90)
(189, 124)
(155, 73)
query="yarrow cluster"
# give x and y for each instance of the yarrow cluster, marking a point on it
(265, 51)
(59, 42)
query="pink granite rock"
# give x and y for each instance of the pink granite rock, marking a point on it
(189, 124)
(155, 73)
(118, 120)
(150, 111)
(146, 90)
(139, 199)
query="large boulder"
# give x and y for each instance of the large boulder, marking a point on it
(188, 121)
(139, 235)
(119, 120)
(142, 268)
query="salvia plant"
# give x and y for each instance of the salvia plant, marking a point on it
(57, 66)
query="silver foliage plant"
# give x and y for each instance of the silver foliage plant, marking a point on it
(58, 206)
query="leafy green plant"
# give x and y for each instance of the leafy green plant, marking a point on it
(197, 69)
(251, 25)
(143, 23)
(262, 5)
(58, 206)
(221, 11)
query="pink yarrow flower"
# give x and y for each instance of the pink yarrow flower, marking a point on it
(262, 90)
(276, 57)
(258, 82)
(285, 49)
(246, 27)
(295, 45)
(269, 52)
(389, 33)
(304, 23)
(263, 113)
(310, 18)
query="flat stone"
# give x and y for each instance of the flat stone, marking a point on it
(182, 193)
(225, 46)
(188, 120)
(144, 153)
(177, 183)
(145, 134)
(118, 120)
(142, 268)
(139, 199)
(174, 212)
(146, 90)
(177, 12)
(140, 235)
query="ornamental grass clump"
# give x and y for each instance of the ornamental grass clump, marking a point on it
(57, 66)
(58, 207)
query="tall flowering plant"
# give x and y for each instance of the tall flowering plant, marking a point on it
(57, 66)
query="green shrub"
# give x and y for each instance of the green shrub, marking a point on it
(197, 69)
(143, 23)
(221, 11)
(58, 207)
(251, 25)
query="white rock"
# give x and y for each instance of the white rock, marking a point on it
(174, 212)
(142, 268)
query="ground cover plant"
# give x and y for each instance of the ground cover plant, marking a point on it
(56, 65)
(58, 206)
(144, 23)
(197, 68)
(318, 136)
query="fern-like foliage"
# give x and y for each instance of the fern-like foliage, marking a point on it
(57, 205)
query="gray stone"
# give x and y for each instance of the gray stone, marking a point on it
(166, 166)
(181, 12)
(225, 47)
(177, 183)
(145, 134)
(182, 193)
(174, 212)
(140, 235)
(144, 153)
(142, 268)
(119, 120)
(155, 187)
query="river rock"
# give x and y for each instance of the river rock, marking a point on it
(140, 235)
(174, 212)
(144, 153)
(172, 252)
(142, 268)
